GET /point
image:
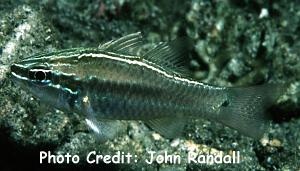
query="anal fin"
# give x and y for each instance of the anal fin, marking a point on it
(105, 129)
(167, 127)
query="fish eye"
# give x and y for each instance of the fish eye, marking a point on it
(40, 75)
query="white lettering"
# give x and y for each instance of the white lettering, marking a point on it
(59, 158)
(90, 161)
(213, 159)
(163, 158)
(43, 155)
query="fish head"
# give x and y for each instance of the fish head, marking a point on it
(38, 77)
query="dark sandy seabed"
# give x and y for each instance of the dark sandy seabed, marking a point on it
(237, 43)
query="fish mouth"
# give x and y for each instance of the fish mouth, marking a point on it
(18, 74)
(18, 70)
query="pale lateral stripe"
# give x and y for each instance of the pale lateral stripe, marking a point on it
(64, 88)
(134, 62)
(43, 70)
(19, 77)
(123, 58)
(48, 57)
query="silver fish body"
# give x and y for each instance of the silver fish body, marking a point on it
(111, 83)
(135, 89)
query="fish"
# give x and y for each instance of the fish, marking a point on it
(115, 82)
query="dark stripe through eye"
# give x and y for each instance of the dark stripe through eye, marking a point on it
(40, 75)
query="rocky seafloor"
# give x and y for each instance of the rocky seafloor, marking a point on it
(236, 43)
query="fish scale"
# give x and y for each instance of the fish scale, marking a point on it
(179, 99)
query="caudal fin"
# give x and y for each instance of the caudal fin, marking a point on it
(245, 110)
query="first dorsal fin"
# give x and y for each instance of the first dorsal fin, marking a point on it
(171, 55)
(128, 44)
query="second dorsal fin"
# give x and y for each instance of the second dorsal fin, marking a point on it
(128, 44)
(171, 55)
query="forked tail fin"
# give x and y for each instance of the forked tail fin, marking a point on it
(245, 110)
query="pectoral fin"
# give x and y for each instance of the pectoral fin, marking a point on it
(168, 127)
